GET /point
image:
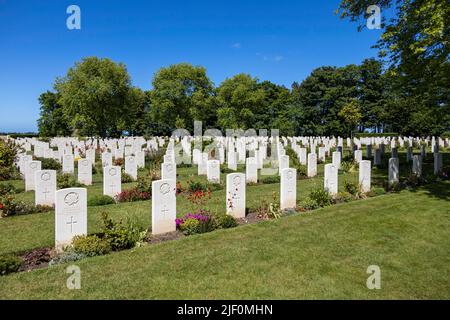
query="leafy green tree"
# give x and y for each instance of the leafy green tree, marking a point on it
(320, 97)
(52, 121)
(416, 47)
(350, 114)
(372, 95)
(183, 92)
(95, 95)
(241, 103)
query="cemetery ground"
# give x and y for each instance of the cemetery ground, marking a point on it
(318, 254)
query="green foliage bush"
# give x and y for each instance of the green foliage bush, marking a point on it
(270, 209)
(270, 179)
(8, 154)
(66, 180)
(9, 264)
(225, 221)
(348, 166)
(7, 188)
(100, 200)
(144, 184)
(121, 235)
(309, 204)
(215, 186)
(351, 188)
(321, 197)
(10, 206)
(344, 197)
(126, 178)
(191, 226)
(48, 163)
(225, 170)
(67, 256)
(91, 245)
(194, 186)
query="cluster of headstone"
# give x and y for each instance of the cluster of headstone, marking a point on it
(260, 156)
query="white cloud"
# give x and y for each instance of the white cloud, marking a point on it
(278, 58)
(236, 45)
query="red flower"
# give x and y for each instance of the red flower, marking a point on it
(1, 206)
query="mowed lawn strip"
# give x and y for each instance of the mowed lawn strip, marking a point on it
(22, 233)
(320, 254)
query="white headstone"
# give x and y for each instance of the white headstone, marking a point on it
(312, 165)
(213, 171)
(32, 167)
(288, 188)
(131, 167)
(437, 163)
(337, 159)
(169, 171)
(85, 172)
(283, 163)
(417, 165)
(330, 182)
(112, 179)
(163, 206)
(251, 171)
(236, 195)
(393, 170)
(106, 159)
(365, 175)
(68, 163)
(70, 215)
(45, 182)
(302, 153)
(358, 156)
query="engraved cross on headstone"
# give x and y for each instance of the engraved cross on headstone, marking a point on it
(45, 192)
(164, 210)
(71, 223)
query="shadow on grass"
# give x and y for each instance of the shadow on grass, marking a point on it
(439, 189)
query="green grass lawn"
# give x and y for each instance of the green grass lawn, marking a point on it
(319, 254)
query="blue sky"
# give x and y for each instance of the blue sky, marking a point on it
(281, 41)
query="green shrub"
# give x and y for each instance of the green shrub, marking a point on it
(376, 192)
(225, 170)
(309, 204)
(194, 186)
(7, 188)
(91, 245)
(144, 184)
(191, 226)
(8, 154)
(67, 256)
(10, 206)
(9, 264)
(48, 163)
(270, 179)
(100, 200)
(126, 178)
(351, 188)
(225, 221)
(121, 235)
(215, 186)
(321, 197)
(66, 180)
(270, 209)
(344, 197)
(302, 171)
(348, 166)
